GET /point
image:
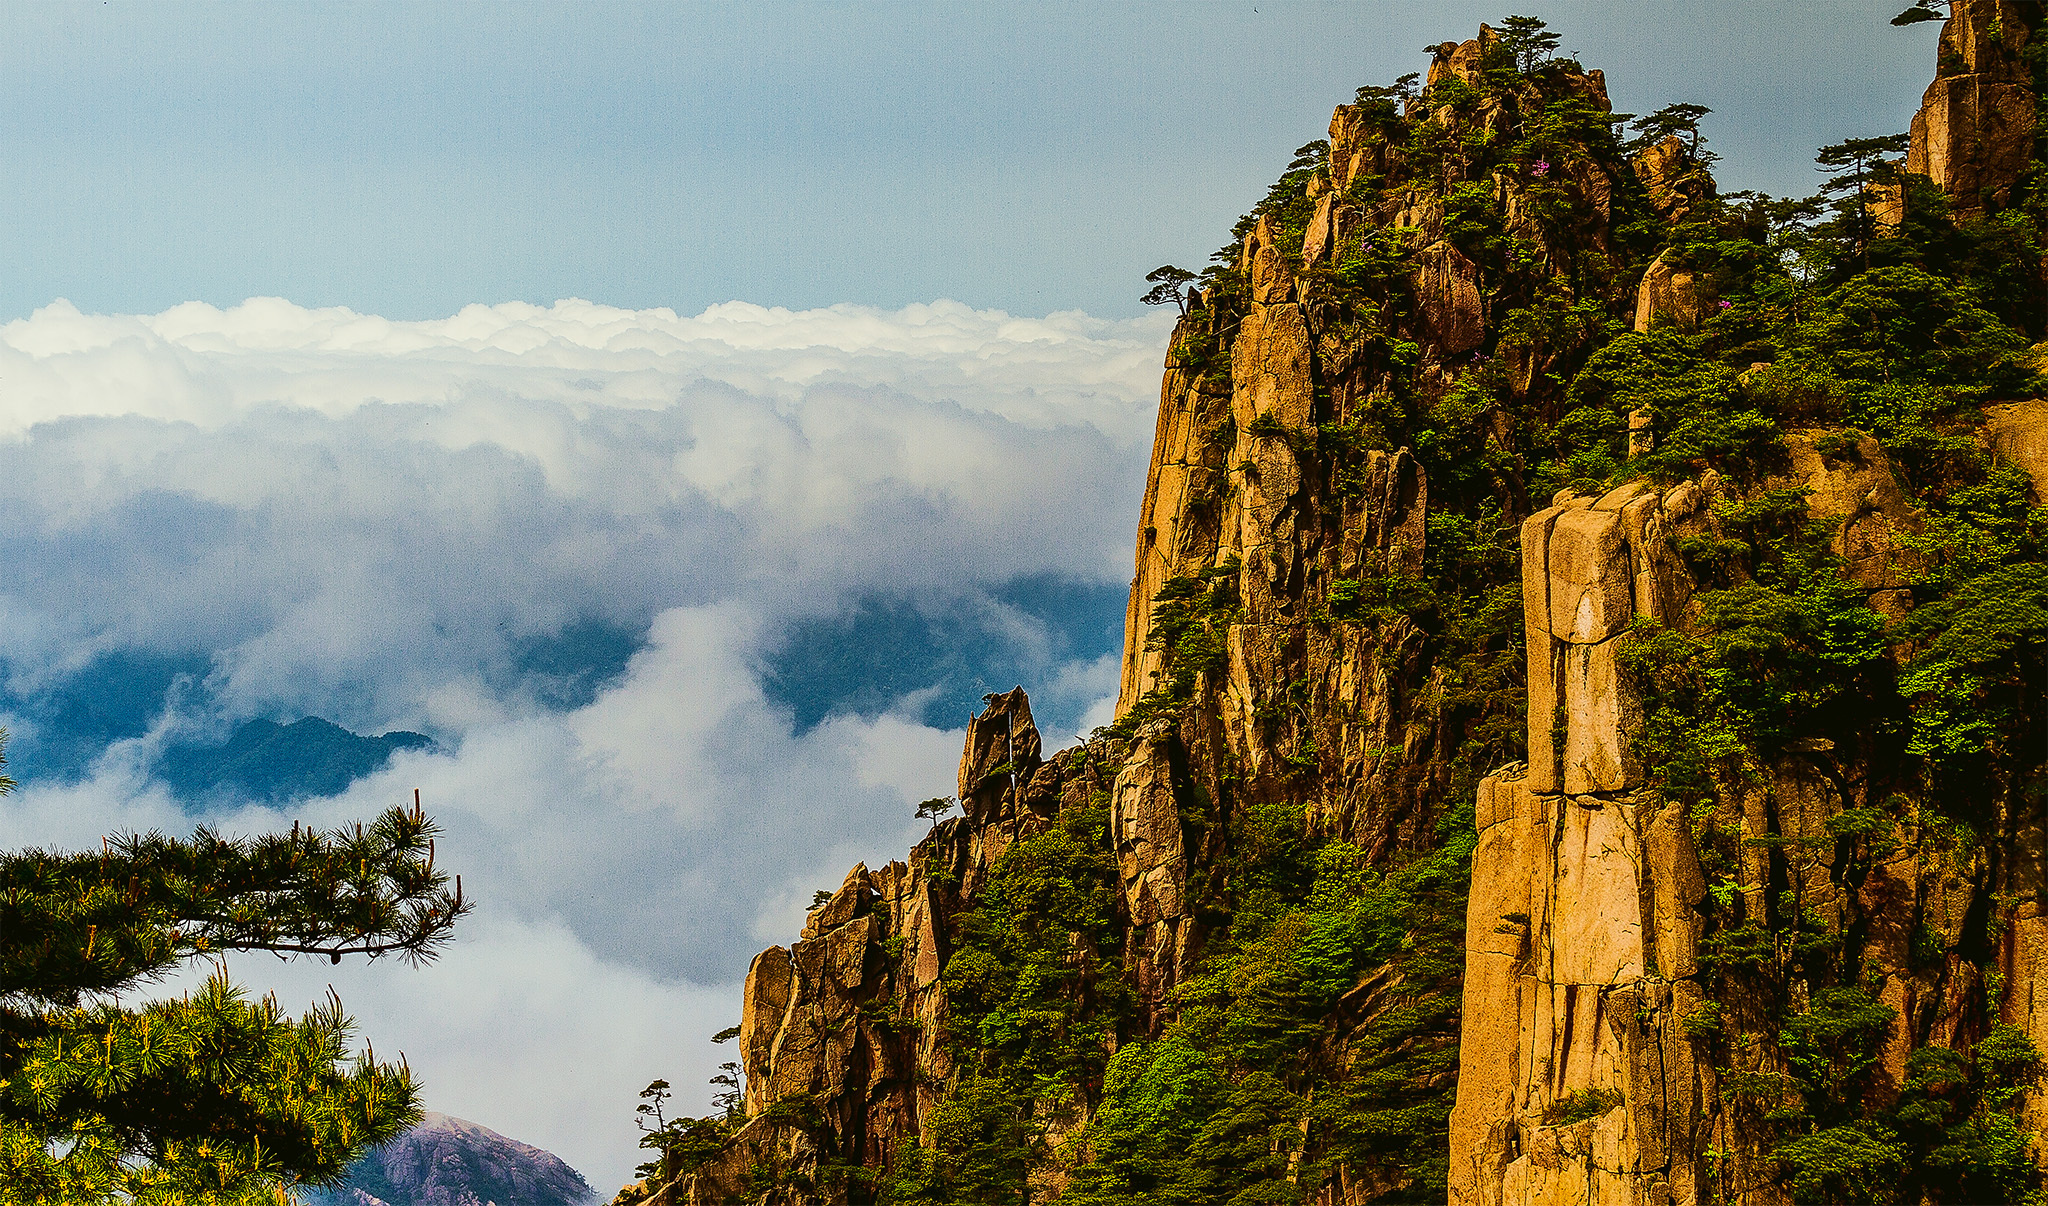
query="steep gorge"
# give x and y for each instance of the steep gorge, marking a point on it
(1579, 735)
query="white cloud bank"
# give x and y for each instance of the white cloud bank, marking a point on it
(361, 519)
(348, 508)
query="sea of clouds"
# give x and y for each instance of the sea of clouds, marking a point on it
(367, 520)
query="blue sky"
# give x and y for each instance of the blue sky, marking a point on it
(691, 581)
(408, 159)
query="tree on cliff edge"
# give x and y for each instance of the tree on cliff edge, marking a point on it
(1169, 287)
(1529, 40)
(1680, 121)
(212, 1097)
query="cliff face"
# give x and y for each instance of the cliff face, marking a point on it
(1586, 919)
(1974, 134)
(1621, 1076)
(1571, 670)
(844, 1034)
(1264, 476)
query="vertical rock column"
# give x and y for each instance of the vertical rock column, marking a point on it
(1576, 1083)
(1974, 133)
(1152, 865)
(2018, 433)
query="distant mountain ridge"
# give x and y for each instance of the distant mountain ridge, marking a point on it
(62, 722)
(265, 760)
(448, 1161)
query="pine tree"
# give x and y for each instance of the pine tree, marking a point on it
(1853, 167)
(211, 1097)
(1680, 121)
(1168, 288)
(1529, 40)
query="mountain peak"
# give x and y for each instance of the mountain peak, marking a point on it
(449, 1161)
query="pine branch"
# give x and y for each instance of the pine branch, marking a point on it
(86, 923)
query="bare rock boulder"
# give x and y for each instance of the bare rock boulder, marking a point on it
(1447, 294)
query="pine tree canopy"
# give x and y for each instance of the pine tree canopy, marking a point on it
(211, 1097)
(1680, 121)
(1529, 40)
(1858, 161)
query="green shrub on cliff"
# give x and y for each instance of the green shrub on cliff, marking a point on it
(1032, 1011)
(1213, 1110)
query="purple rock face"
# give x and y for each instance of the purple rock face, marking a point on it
(449, 1162)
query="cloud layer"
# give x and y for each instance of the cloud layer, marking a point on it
(375, 521)
(352, 509)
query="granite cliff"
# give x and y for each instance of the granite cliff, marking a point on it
(1579, 736)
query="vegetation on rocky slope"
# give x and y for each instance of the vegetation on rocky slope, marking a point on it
(1531, 295)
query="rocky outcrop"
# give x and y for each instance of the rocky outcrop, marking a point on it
(1603, 1081)
(1152, 862)
(1678, 184)
(842, 1033)
(1179, 518)
(1850, 485)
(1002, 747)
(1447, 286)
(2018, 434)
(1974, 133)
(1591, 568)
(1671, 295)
(1579, 1083)
(1673, 176)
